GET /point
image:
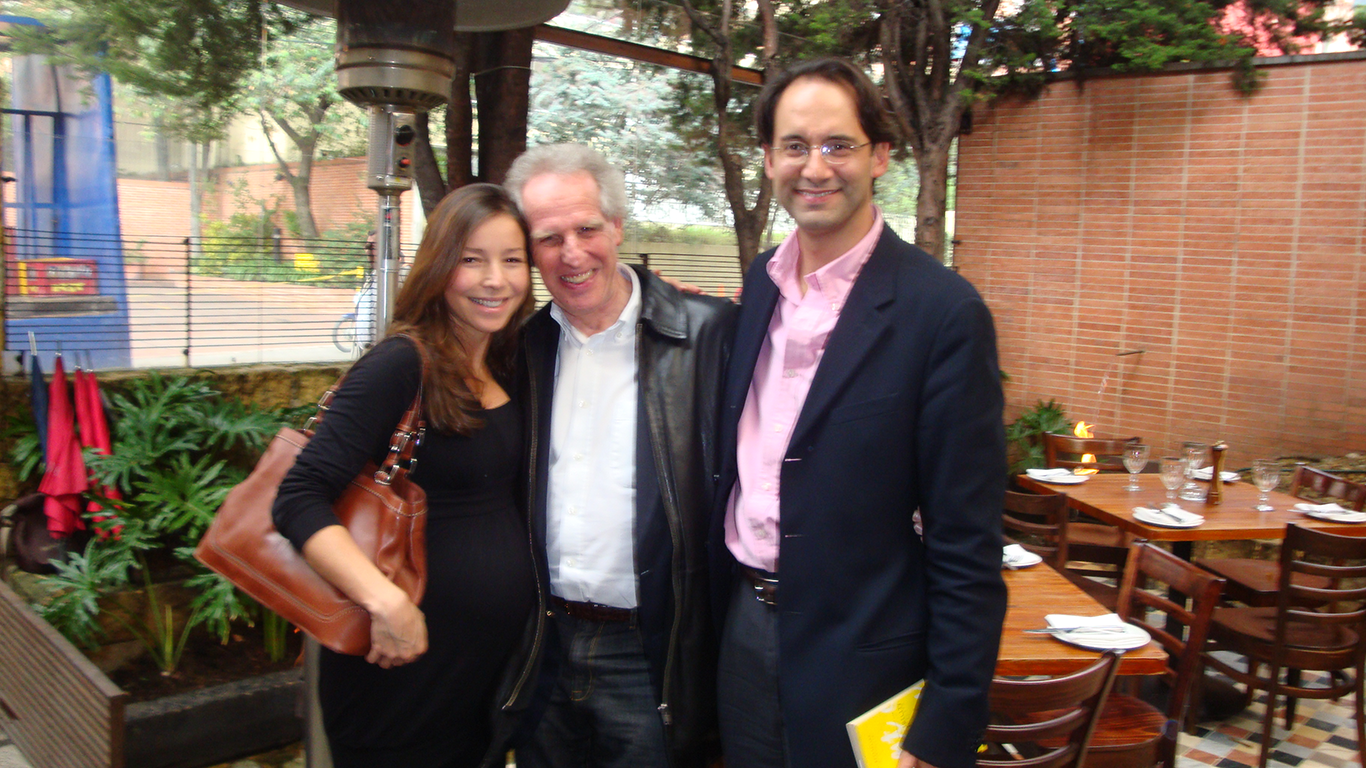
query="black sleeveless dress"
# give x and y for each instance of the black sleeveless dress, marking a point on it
(480, 591)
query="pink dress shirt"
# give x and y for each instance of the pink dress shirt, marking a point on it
(782, 378)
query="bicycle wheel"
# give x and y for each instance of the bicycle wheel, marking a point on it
(344, 333)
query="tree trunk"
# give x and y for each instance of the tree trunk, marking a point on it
(303, 199)
(426, 173)
(460, 115)
(502, 86)
(196, 204)
(932, 162)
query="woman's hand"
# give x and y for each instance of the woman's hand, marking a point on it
(398, 633)
(398, 630)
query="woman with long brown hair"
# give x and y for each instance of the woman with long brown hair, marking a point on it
(422, 696)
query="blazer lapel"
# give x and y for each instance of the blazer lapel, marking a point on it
(862, 322)
(755, 314)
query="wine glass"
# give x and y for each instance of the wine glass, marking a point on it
(1135, 459)
(1266, 475)
(1173, 473)
(1195, 453)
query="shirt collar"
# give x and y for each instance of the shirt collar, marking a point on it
(630, 314)
(834, 280)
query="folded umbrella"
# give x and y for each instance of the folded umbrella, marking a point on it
(37, 398)
(65, 478)
(94, 429)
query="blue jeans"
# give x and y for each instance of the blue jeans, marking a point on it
(603, 710)
(752, 730)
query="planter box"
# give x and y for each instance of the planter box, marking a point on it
(63, 712)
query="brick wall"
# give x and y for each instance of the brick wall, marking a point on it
(338, 193)
(1218, 238)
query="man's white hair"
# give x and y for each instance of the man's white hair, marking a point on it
(566, 159)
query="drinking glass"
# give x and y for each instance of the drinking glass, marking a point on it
(1173, 472)
(1195, 453)
(1266, 475)
(1135, 459)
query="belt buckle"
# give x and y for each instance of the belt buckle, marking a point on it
(765, 590)
(762, 594)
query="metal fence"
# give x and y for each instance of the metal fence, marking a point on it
(160, 302)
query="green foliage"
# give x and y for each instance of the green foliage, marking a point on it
(1025, 434)
(193, 53)
(25, 452)
(178, 449)
(624, 110)
(81, 580)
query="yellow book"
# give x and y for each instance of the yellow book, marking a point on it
(877, 734)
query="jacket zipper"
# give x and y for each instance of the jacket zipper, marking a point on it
(675, 532)
(531, 537)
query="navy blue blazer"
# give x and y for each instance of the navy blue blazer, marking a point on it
(904, 414)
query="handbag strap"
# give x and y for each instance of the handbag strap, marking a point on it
(407, 436)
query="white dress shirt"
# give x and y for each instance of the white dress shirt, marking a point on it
(591, 499)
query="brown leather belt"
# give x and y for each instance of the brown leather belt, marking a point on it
(765, 584)
(592, 611)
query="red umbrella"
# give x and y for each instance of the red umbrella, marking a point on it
(65, 479)
(94, 434)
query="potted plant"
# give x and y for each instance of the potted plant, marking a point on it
(178, 448)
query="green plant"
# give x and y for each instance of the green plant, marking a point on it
(1025, 434)
(276, 631)
(25, 452)
(178, 448)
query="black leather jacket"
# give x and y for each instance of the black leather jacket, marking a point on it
(683, 344)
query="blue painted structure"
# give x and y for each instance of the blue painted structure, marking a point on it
(66, 202)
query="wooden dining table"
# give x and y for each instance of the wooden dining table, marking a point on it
(1037, 591)
(1103, 497)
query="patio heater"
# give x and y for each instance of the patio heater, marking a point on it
(395, 60)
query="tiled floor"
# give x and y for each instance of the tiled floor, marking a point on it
(1324, 737)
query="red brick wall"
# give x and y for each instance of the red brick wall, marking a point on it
(338, 193)
(1222, 236)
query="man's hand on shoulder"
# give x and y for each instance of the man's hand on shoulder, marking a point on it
(909, 760)
(677, 284)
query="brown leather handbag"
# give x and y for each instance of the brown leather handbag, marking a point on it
(385, 512)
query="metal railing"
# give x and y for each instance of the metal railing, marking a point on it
(161, 302)
(164, 302)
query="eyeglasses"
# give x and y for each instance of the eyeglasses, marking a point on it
(833, 152)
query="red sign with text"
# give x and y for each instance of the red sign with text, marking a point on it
(58, 277)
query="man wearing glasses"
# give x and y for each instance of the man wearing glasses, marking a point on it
(857, 536)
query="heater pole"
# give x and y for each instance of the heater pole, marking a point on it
(386, 271)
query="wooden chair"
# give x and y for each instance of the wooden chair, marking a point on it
(1292, 637)
(1090, 555)
(1132, 733)
(1038, 522)
(1254, 582)
(1323, 487)
(1062, 710)
(1109, 453)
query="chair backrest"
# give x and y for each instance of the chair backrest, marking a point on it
(1066, 451)
(1138, 596)
(1029, 711)
(1038, 522)
(1342, 560)
(1324, 486)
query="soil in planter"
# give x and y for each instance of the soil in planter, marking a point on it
(207, 662)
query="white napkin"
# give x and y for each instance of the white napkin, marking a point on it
(1012, 552)
(1205, 473)
(1331, 507)
(1176, 512)
(1044, 474)
(1068, 621)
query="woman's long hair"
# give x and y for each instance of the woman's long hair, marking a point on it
(421, 311)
